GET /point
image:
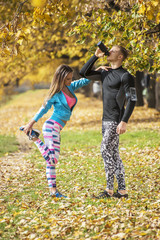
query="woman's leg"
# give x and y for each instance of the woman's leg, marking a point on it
(50, 150)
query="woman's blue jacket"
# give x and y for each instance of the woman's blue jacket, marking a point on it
(61, 109)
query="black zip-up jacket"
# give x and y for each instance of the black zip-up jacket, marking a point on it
(117, 86)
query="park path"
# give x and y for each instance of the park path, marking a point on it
(13, 167)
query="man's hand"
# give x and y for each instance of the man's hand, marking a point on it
(121, 128)
(99, 53)
(106, 68)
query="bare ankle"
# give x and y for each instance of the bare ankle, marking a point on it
(52, 190)
(34, 139)
(122, 192)
(110, 191)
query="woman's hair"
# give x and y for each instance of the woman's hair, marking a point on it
(58, 80)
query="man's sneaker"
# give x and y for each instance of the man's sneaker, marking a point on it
(119, 195)
(34, 134)
(57, 194)
(103, 194)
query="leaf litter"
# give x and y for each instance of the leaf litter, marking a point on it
(27, 211)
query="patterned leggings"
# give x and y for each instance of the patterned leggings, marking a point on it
(110, 153)
(51, 149)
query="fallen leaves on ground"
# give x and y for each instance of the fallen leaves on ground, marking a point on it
(27, 211)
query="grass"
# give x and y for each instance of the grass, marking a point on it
(29, 213)
(141, 139)
(72, 139)
(8, 144)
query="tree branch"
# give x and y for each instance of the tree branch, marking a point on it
(19, 9)
(156, 29)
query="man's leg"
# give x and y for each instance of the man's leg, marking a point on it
(107, 146)
(119, 168)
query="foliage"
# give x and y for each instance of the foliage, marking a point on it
(35, 32)
(127, 28)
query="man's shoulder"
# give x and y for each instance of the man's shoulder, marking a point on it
(125, 74)
(124, 71)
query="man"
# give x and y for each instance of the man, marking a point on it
(117, 86)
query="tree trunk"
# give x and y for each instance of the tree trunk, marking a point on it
(139, 88)
(151, 92)
(158, 94)
(17, 82)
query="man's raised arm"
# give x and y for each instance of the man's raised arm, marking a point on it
(87, 71)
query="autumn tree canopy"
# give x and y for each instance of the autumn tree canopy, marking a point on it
(35, 32)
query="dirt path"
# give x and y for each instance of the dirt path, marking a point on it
(12, 167)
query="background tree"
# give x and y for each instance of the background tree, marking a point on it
(38, 32)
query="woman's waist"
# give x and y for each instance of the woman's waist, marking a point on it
(64, 121)
(60, 119)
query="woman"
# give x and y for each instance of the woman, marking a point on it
(61, 96)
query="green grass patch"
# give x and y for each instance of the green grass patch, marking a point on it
(79, 139)
(8, 144)
(140, 139)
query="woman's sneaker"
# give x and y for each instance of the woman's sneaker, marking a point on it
(57, 194)
(34, 134)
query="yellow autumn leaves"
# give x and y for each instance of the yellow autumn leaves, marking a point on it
(38, 3)
(150, 10)
(42, 3)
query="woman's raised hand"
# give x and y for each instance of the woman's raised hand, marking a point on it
(28, 127)
(106, 68)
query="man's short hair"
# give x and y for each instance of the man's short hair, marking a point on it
(124, 52)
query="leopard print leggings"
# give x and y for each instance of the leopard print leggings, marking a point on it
(110, 153)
